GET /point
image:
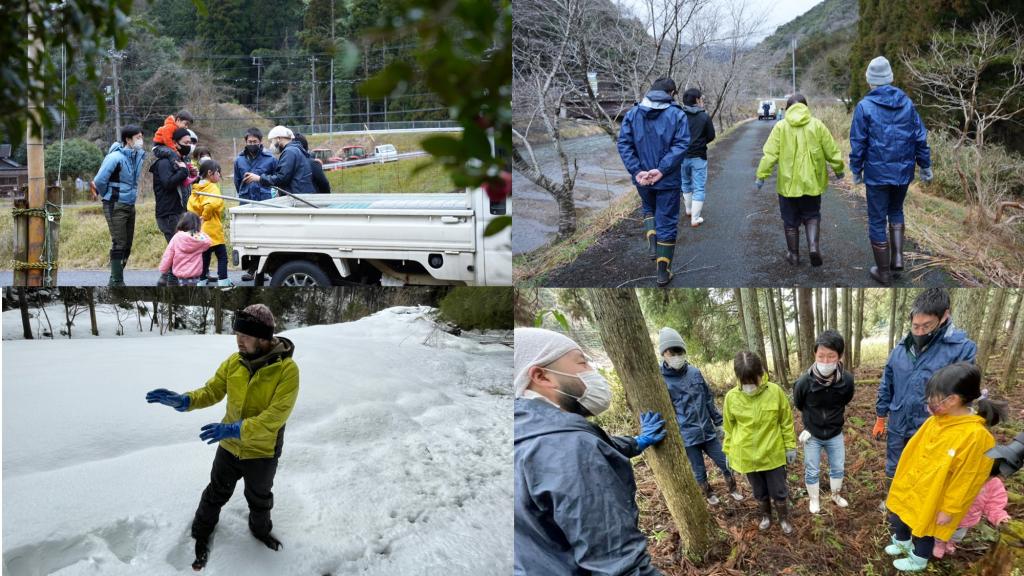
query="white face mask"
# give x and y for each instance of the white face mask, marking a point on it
(597, 396)
(676, 362)
(825, 369)
(749, 388)
(137, 144)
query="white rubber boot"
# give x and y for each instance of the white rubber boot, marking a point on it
(695, 219)
(687, 201)
(814, 493)
(836, 485)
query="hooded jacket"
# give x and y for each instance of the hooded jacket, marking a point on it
(575, 508)
(702, 131)
(126, 189)
(887, 138)
(168, 182)
(655, 134)
(802, 147)
(901, 389)
(293, 172)
(211, 210)
(823, 408)
(261, 393)
(942, 469)
(758, 428)
(694, 403)
(184, 255)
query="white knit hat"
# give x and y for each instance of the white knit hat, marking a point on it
(280, 132)
(537, 347)
(879, 72)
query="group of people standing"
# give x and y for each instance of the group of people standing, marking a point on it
(575, 510)
(664, 147)
(188, 208)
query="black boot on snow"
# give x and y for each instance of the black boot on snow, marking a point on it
(202, 554)
(271, 542)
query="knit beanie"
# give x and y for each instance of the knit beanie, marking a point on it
(669, 338)
(879, 72)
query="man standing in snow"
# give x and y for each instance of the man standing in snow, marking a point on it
(575, 508)
(261, 383)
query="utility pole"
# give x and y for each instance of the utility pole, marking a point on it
(258, 62)
(793, 46)
(330, 113)
(312, 89)
(115, 57)
(383, 64)
(33, 228)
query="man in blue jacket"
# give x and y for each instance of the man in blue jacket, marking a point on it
(117, 183)
(575, 508)
(293, 173)
(933, 343)
(652, 143)
(700, 422)
(887, 138)
(253, 160)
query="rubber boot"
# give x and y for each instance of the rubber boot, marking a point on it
(814, 494)
(880, 271)
(225, 284)
(665, 252)
(688, 202)
(695, 219)
(765, 508)
(782, 510)
(651, 237)
(708, 493)
(793, 245)
(899, 547)
(896, 248)
(881, 505)
(812, 229)
(836, 486)
(912, 563)
(116, 269)
(734, 490)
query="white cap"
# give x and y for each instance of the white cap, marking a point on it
(280, 132)
(537, 347)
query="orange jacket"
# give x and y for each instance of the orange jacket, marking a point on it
(164, 134)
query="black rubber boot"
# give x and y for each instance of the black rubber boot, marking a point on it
(651, 236)
(880, 271)
(666, 250)
(896, 248)
(764, 507)
(270, 542)
(708, 493)
(202, 554)
(782, 510)
(793, 245)
(812, 241)
(116, 269)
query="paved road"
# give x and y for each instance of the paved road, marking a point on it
(741, 242)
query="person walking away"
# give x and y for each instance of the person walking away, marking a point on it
(652, 142)
(887, 139)
(694, 170)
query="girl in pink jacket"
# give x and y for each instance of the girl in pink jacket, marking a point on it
(991, 501)
(184, 254)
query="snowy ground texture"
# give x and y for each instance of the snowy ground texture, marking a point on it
(397, 457)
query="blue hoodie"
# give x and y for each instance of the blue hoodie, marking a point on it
(655, 134)
(696, 413)
(127, 186)
(575, 506)
(887, 138)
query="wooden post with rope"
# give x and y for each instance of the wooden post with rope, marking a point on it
(36, 176)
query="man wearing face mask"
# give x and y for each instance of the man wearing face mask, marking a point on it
(261, 382)
(253, 160)
(169, 174)
(821, 395)
(293, 173)
(700, 422)
(117, 183)
(933, 343)
(575, 507)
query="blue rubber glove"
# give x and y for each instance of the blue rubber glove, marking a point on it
(926, 174)
(759, 183)
(858, 178)
(652, 430)
(212, 433)
(163, 396)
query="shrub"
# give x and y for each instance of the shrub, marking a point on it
(478, 308)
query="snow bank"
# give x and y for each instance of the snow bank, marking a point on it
(106, 322)
(397, 457)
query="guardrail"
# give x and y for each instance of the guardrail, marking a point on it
(372, 160)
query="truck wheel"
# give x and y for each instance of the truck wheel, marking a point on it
(299, 273)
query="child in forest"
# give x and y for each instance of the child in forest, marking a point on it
(942, 469)
(205, 202)
(991, 501)
(760, 440)
(184, 254)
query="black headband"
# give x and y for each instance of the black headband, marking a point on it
(248, 324)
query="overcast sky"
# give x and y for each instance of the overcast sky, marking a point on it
(781, 12)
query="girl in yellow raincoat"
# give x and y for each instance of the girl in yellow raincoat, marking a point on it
(941, 470)
(211, 210)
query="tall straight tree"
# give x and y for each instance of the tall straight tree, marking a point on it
(773, 326)
(993, 325)
(859, 334)
(755, 336)
(971, 310)
(738, 297)
(1015, 314)
(90, 295)
(833, 312)
(625, 338)
(894, 295)
(1014, 350)
(780, 314)
(847, 316)
(819, 312)
(26, 326)
(801, 351)
(806, 325)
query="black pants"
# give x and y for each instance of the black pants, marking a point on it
(227, 469)
(769, 484)
(168, 224)
(121, 224)
(800, 209)
(922, 546)
(221, 251)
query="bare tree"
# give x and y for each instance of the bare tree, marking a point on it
(954, 73)
(26, 325)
